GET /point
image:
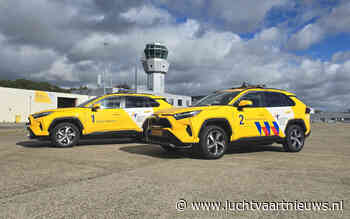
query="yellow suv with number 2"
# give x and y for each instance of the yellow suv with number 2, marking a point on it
(109, 115)
(247, 114)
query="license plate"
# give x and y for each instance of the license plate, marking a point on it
(157, 132)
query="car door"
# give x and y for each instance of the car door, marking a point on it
(138, 109)
(110, 117)
(250, 118)
(278, 111)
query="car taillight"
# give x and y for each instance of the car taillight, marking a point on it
(308, 110)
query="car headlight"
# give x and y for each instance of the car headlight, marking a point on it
(186, 114)
(38, 115)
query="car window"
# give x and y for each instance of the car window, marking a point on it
(135, 102)
(255, 97)
(88, 102)
(222, 98)
(110, 103)
(139, 102)
(274, 99)
(152, 102)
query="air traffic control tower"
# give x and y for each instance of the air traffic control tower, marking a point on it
(156, 66)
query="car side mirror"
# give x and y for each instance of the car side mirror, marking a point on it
(244, 103)
(95, 107)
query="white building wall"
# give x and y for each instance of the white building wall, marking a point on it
(22, 103)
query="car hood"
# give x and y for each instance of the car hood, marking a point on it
(175, 110)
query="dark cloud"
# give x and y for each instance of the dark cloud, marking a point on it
(63, 42)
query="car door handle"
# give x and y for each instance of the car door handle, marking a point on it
(115, 114)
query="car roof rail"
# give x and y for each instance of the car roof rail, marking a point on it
(247, 85)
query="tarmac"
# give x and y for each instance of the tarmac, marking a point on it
(119, 178)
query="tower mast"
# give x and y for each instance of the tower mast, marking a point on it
(156, 66)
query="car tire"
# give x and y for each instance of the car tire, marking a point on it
(295, 139)
(65, 135)
(142, 136)
(213, 143)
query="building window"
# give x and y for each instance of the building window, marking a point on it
(179, 102)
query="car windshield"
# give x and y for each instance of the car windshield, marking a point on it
(222, 98)
(88, 102)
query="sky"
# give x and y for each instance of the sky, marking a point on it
(299, 45)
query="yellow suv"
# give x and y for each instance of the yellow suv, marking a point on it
(113, 114)
(247, 114)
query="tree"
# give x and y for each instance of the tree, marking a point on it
(32, 85)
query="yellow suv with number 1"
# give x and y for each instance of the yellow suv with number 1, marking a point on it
(109, 115)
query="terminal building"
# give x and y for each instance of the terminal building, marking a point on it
(18, 104)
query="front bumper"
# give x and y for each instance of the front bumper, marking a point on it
(167, 138)
(36, 129)
(172, 132)
(31, 135)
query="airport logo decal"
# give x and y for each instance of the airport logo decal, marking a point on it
(268, 130)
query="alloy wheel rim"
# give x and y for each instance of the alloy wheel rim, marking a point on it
(296, 138)
(216, 142)
(65, 135)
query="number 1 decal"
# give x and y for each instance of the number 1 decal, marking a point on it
(241, 117)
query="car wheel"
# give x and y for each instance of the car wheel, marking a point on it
(213, 142)
(295, 138)
(65, 135)
(142, 136)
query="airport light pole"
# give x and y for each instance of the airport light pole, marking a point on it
(105, 44)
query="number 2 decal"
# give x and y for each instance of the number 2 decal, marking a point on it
(241, 117)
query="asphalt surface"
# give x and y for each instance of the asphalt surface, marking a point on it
(122, 179)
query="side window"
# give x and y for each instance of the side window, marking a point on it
(110, 103)
(135, 102)
(274, 99)
(255, 97)
(152, 102)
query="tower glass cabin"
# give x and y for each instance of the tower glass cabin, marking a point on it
(156, 66)
(156, 50)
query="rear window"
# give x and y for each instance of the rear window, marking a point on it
(274, 99)
(140, 102)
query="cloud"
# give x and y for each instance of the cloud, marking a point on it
(70, 42)
(146, 15)
(310, 34)
(334, 22)
(23, 61)
(238, 16)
